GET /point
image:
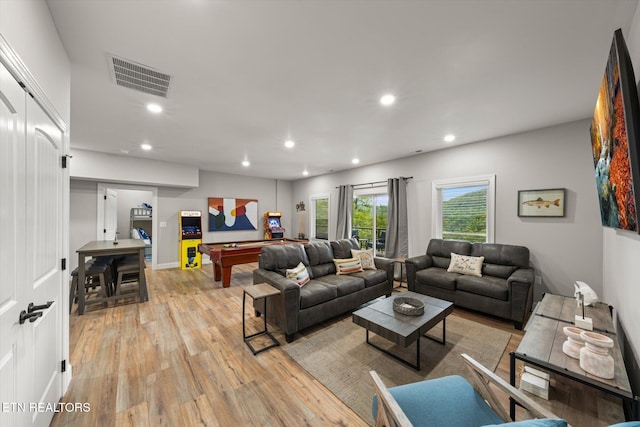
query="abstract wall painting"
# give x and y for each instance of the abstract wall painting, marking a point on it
(547, 203)
(226, 214)
(614, 141)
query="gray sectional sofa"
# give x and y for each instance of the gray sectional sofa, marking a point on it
(505, 288)
(326, 295)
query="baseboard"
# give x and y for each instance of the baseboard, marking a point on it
(167, 265)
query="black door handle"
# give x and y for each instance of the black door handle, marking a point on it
(31, 308)
(31, 316)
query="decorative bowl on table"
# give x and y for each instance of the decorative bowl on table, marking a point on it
(571, 347)
(408, 306)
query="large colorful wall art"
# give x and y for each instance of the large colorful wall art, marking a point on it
(615, 141)
(232, 214)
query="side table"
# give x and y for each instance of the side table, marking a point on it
(256, 292)
(401, 261)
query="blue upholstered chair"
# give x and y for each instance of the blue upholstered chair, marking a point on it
(453, 401)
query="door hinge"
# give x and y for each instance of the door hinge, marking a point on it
(65, 160)
(105, 197)
(63, 366)
(64, 264)
(104, 230)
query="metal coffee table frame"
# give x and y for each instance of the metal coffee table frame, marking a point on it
(401, 329)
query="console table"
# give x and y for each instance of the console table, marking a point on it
(541, 346)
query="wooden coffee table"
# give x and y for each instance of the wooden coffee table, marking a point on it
(401, 329)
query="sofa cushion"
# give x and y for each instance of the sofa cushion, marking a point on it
(342, 248)
(319, 253)
(464, 264)
(279, 258)
(495, 253)
(300, 274)
(366, 258)
(493, 287)
(323, 269)
(372, 277)
(345, 284)
(438, 277)
(503, 271)
(440, 251)
(347, 265)
(316, 292)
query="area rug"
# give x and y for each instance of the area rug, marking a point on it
(339, 357)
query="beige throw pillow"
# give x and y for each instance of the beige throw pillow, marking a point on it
(347, 265)
(366, 258)
(464, 264)
(300, 274)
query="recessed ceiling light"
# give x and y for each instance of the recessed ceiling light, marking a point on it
(305, 172)
(355, 161)
(387, 100)
(289, 143)
(449, 138)
(245, 163)
(146, 147)
(123, 151)
(154, 108)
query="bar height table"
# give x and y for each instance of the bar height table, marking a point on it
(108, 248)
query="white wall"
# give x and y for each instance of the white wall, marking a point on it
(82, 217)
(94, 166)
(29, 29)
(562, 249)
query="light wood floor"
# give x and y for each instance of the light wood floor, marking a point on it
(179, 359)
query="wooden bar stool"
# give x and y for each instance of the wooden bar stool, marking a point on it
(128, 278)
(98, 278)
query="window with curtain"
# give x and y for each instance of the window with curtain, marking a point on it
(463, 209)
(370, 220)
(320, 217)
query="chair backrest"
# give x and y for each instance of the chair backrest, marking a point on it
(482, 377)
(390, 413)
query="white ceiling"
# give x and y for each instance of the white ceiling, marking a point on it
(248, 75)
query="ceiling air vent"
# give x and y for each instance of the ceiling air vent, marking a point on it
(139, 77)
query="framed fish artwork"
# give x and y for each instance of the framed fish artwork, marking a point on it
(546, 203)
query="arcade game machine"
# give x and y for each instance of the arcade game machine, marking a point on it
(190, 238)
(272, 226)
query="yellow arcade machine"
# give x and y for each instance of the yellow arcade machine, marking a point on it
(190, 238)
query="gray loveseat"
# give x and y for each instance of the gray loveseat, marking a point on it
(504, 290)
(326, 295)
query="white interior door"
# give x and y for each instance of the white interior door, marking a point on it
(110, 214)
(30, 258)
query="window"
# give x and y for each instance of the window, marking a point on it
(369, 221)
(320, 217)
(463, 209)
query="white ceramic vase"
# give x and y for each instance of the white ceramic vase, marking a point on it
(574, 343)
(595, 357)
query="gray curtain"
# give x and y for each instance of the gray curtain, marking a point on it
(345, 208)
(397, 239)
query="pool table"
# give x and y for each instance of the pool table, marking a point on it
(225, 255)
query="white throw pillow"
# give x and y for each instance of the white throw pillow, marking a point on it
(464, 264)
(300, 274)
(366, 258)
(347, 265)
